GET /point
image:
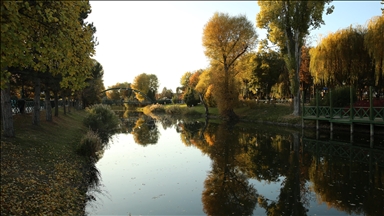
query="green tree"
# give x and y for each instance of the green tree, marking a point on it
(225, 39)
(190, 97)
(91, 94)
(288, 23)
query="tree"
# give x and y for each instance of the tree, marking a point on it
(374, 42)
(38, 39)
(341, 58)
(288, 23)
(118, 94)
(91, 94)
(147, 84)
(225, 39)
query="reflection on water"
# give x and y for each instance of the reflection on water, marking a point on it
(167, 166)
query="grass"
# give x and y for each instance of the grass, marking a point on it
(247, 111)
(40, 170)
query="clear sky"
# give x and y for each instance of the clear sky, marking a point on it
(165, 38)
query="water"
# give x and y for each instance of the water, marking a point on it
(169, 167)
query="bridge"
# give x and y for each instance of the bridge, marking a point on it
(150, 101)
(373, 116)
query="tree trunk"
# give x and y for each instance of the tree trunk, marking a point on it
(6, 112)
(48, 107)
(56, 98)
(36, 106)
(64, 107)
(69, 105)
(201, 96)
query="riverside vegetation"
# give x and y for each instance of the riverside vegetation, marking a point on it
(47, 169)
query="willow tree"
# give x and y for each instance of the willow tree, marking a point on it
(288, 23)
(341, 58)
(374, 42)
(225, 39)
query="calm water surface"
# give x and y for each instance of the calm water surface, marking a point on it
(169, 167)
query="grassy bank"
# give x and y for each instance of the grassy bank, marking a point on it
(41, 174)
(247, 111)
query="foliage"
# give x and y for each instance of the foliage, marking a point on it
(155, 108)
(173, 110)
(225, 39)
(341, 58)
(90, 145)
(191, 112)
(288, 23)
(103, 120)
(374, 43)
(145, 131)
(91, 93)
(166, 93)
(209, 98)
(117, 94)
(340, 97)
(147, 84)
(41, 174)
(36, 37)
(190, 97)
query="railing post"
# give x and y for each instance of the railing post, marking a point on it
(331, 109)
(351, 109)
(371, 112)
(370, 104)
(317, 109)
(302, 113)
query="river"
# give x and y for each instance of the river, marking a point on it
(176, 167)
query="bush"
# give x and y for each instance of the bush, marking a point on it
(173, 110)
(155, 108)
(190, 98)
(102, 119)
(340, 97)
(90, 144)
(191, 112)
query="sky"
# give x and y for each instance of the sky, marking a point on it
(165, 37)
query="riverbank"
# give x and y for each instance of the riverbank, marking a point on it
(41, 173)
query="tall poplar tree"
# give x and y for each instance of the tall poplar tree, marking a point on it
(288, 23)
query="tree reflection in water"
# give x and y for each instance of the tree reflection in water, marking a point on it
(226, 189)
(240, 153)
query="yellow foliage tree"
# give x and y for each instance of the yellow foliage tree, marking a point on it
(225, 39)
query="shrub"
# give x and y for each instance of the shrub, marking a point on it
(90, 144)
(173, 110)
(191, 112)
(340, 97)
(190, 98)
(155, 108)
(102, 119)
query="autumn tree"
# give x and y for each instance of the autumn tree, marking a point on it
(166, 93)
(288, 23)
(341, 58)
(225, 39)
(37, 38)
(117, 94)
(374, 43)
(147, 84)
